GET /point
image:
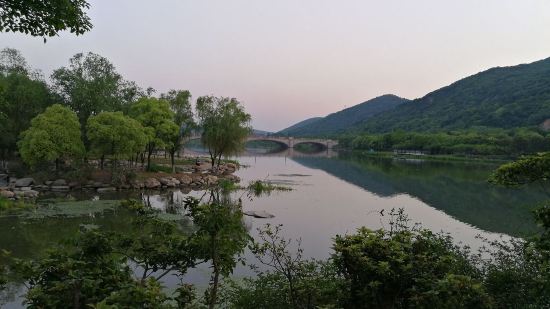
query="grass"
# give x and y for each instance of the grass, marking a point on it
(9, 207)
(259, 188)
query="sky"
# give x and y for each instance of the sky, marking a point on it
(288, 60)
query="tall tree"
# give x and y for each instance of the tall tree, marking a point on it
(114, 134)
(44, 18)
(91, 84)
(53, 136)
(180, 104)
(22, 97)
(157, 119)
(225, 126)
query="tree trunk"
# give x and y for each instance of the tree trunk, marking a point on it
(172, 159)
(102, 162)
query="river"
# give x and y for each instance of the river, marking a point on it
(332, 194)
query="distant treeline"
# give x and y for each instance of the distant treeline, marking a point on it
(470, 142)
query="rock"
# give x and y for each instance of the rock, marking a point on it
(60, 188)
(135, 184)
(107, 189)
(41, 187)
(25, 188)
(211, 180)
(167, 181)
(59, 182)
(152, 183)
(259, 214)
(30, 194)
(7, 194)
(74, 184)
(48, 182)
(232, 178)
(185, 180)
(176, 181)
(24, 182)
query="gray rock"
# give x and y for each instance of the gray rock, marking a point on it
(152, 183)
(59, 182)
(60, 188)
(25, 189)
(30, 194)
(259, 214)
(48, 182)
(24, 182)
(74, 184)
(108, 189)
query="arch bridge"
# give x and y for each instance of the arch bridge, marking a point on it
(289, 142)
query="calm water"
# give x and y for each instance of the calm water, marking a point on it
(331, 195)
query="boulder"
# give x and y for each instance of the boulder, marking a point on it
(60, 188)
(211, 180)
(30, 194)
(48, 182)
(185, 180)
(259, 214)
(24, 182)
(232, 178)
(167, 181)
(7, 194)
(135, 184)
(24, 188)
(74, 184)
(107, 189)
(59, 182)
(152, 183)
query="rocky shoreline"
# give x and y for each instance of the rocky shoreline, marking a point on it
(200, 179)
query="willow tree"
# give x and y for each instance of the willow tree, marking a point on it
(114, 134)
(180, 104)
(225, 126)
(157, 119)
(53, 136)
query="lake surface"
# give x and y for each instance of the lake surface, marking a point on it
(332, 194)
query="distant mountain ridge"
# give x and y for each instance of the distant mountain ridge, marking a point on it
(501, 97)
(345, 119)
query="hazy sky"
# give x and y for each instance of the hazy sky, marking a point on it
(288, 60)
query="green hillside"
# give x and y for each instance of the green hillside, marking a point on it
(299, 125)
(345, 119)
(502, 97)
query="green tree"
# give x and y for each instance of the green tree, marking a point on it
(22, 96)
(220, 237)
(157, 119)
(53, 136)
(404, 267)
(114, 134)
(180, 104)
(39, 18)
(91, 84)
(225, 126)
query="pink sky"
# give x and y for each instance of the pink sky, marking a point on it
(288, 60)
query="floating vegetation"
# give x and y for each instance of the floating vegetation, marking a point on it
(70, 209)
(259, 188)
(9, 207)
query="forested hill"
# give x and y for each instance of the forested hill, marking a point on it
(299, 125)
(502, 97)
(345, 119)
